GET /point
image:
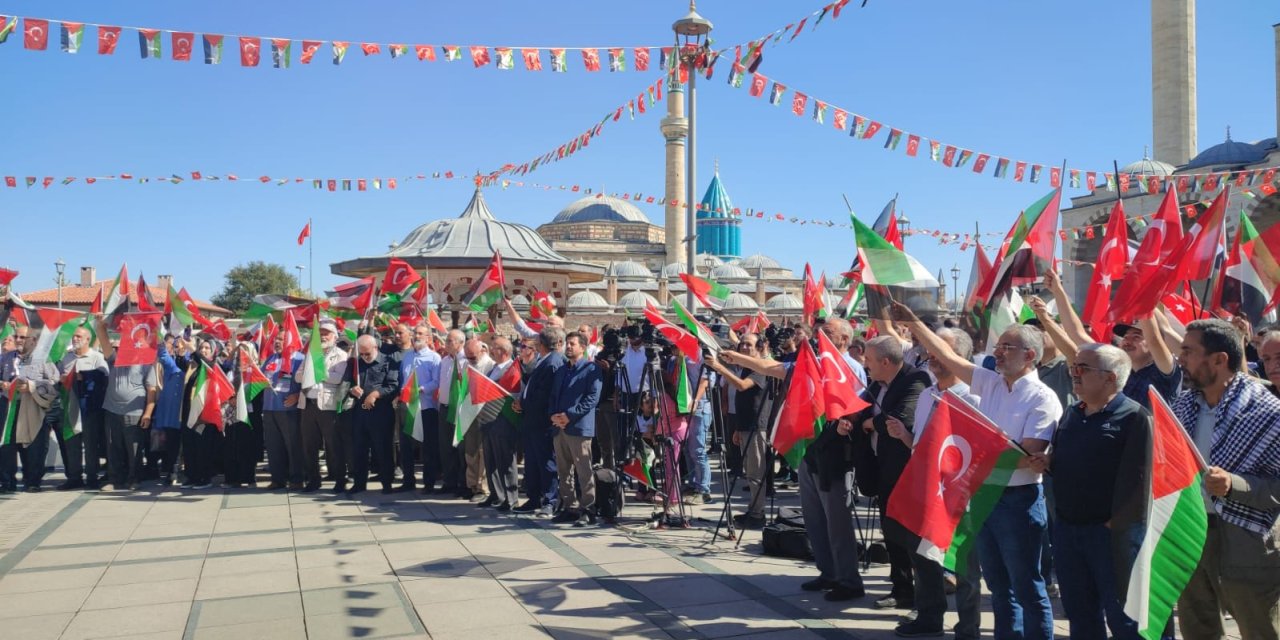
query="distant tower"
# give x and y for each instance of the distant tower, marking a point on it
(1173, 79)
(675, 128)
(719, 231)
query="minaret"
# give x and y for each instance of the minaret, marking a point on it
(1173, 79)
(675, 128)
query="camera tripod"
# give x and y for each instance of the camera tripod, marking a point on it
(628, 415)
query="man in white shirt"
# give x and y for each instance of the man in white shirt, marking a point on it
(450, 460)
(1011, 541)
(477, 354)
(501, 438)
(319, 404)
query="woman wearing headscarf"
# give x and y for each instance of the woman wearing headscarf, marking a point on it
(242, 443)
(200, 440)
(171, 364)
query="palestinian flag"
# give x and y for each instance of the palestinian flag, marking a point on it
(314, 370)
(145, 301)
(1241, 289)
(883, 264)
(356, 296)
(117, 297)
(56, 327)
(684, 341)
(1171, 520)
(478, 397)
(684, 390)
(1031, 245)
(436, 323)
(710, 293)
(510, 381)
(252, 382)
(12, 405)
(641, 467)
(700, 331)
(71, 423)
(488, 288)
(801, 416)
(180, 314)
(410, 397)
(211, 391)
(265, 305)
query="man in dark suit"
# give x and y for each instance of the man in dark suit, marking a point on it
(573, 413)
(375, 382)
(895, 387)
(534, 405)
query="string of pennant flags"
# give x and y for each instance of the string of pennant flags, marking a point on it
(253, 49)
(952, 156)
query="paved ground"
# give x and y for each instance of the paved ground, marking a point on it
(251, 564)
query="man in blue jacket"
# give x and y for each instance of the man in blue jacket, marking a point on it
(534, 406)
(573, 412)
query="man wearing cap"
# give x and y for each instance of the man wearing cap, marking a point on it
(319, 404)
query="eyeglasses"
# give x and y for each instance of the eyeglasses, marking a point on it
(1077, 368)
(1004, 346)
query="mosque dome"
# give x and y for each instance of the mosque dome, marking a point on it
(1229, 152)
(600, 209)
(758, 261)
(740, 303)
(729, 273)
(629, 270)
(587, 301)
(707, 261)
(673, 270)
(637, 301)
(1149, 167)
(784, 302)
(520, 302)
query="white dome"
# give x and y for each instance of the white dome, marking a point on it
(673, 270)
(637, 301)
(740, 302)
(784, 302)
(520, 302)
(587, 301)
(729, 272)
(707, 261)
(758, 261)
(629, 270)
(600, 208)
(1149, 167)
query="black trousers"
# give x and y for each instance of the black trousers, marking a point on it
(283, 434)
(81, 453)
(408, 449)
(900, 573)
(126, 445)
(199, 450)
(451, 468)
(501, 442)
(372, 433)
(241, 447)
(32, 456)
(170, 444)
(430, 447)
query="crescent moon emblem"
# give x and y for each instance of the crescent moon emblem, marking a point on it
(145, 341)
(36, 32)
(966, 454)
(827, 355)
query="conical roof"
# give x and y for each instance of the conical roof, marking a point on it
(469, 242)
(716, 203)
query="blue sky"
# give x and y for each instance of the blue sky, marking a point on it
(1041, 82)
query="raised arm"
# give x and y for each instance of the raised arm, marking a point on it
(936, 347)
(740, 384)
(771, 368)
(1070, 321)
(1066, 346)
(1160, 353)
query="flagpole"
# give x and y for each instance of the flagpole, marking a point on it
(311, 261)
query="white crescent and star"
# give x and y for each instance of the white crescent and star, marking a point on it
(35, 32)
(827, 355)
(146, 339)
(966, 457)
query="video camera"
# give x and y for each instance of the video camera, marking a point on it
(775, 335)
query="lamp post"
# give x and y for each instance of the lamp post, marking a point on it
(61, 266)
(691, 43)
(299, 267)
(955, 289)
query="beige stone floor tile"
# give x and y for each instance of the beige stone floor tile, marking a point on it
(131, 595)
(340, 556)
(286, 628)
(472, 614)
(500, 563)
(174, 530)
(152, 571)
(77, 535)
(726, 619)
(334, 535)
(604, 625)
(451, 589)
(496, 544)
(40, 603)
(389, 623)
(160, 549)
(249, 563)
(241, 526)
(38, 627)
(276, 606)
(128, 621)
(330, 577)
(671, 592)
(251, 542)
(246, 584)
(507, 632)
(54, 558)
(50, 580)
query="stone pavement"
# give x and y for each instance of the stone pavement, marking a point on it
(252, 564)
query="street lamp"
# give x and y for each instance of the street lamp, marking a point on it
(61, 266)
(691, 43)
(955, 288)
(299, 267)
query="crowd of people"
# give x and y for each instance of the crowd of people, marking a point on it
(1078, 408)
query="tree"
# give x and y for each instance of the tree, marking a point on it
(245, 281)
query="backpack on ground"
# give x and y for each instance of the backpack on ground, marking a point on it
(609, 496)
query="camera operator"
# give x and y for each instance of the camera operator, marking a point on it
(633, 360)
(824, 495)
(753, 397)
(609, 430)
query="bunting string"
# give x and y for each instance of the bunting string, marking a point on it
(951, 156)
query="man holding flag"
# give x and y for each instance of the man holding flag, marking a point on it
(1011, 540)
(321, 395)
(86, 370)
(34, 390)
(1235, 424)
(130, 401)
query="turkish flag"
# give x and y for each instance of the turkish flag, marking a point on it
(913, 144)
(182, 42)
(1205, 241)
(107, 39)
(641, 57)
(1112, 260)
(956, 453)
(35, 33)
(801, 406)
(306, 233)
(479, 56)
(798, 102)
(840, 387)
(139, 338)
(1153, 265)
(591, 59)
(10, 181)
(425, 52)
(309, 49)
(219, 330)
(7, 276)
(292, 341)
(398, 277)
(250, 51)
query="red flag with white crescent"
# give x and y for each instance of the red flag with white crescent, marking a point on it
(139, 338)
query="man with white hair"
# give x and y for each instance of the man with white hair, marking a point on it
(1097, 460)
(451, 480)
(1011, 541)
(319, 405)
(375, 381)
